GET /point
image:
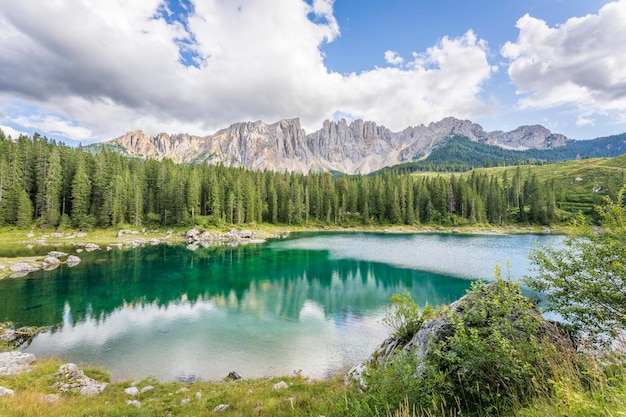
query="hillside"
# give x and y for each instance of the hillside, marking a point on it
(578, 184)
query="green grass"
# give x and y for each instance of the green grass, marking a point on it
(302, 398)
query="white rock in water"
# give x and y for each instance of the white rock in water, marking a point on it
(57, 254)
(89, 247)
(20, 267)
(51, 260)
(73, 260)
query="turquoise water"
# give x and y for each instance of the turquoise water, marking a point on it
(312, 302)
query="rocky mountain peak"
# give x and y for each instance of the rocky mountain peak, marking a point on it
(356, 147)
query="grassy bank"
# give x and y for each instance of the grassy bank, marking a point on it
(33, 396)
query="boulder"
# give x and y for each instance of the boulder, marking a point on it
(5, 391)
(20, 267)
(234, 376)
(72, 260)
(57, 254)
(51, 260)
(146, 388)
(13, 363)
(221, 408)
(90, 247)
(280, 385)
(72, 379)
(132, 391)
(192, 233)
(440, 327)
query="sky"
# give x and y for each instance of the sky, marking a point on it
(91, 70)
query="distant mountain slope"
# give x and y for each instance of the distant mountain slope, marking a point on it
(358, 147)
(460, 154)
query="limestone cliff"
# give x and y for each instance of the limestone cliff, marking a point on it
(358, 147)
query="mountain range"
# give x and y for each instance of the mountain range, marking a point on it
(359, 147)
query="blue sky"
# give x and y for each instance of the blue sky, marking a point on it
(91, 71)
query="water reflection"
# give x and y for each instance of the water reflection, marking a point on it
(313, 302)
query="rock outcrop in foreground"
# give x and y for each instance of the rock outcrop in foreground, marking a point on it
(359, 147)
(439, 328)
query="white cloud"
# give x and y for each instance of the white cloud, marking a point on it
(392, 57)
(110, 67)
(579, 63)
(9, 131)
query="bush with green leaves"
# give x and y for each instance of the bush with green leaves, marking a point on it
(494, 359)
(404, 317)
(585, 281)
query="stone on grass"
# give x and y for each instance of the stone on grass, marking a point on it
(6, 391)
(13, 363)
(132, 391)
(20, 267)
(185, 401)
(221, 408)
(133, 402)
(73, 379)
(280, 385)
(147, 388)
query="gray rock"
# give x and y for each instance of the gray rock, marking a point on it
(51, 260)
(280, 385)
(221, 408)
(90, 247)
(51, 399)
(18, 274)
(185, 401)
(198, 395)
(72, 260)
(57, 254)
(8, 335)
(133, 402)
(72, 379)
(147, 388)
(132, 391)
(192, 233)
(20, 267)
(13, 363)
(234, 375)
(6, 391)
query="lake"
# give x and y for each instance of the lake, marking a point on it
(311, 302)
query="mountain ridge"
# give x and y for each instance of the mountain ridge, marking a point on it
(353, 148)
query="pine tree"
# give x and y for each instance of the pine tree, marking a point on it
(81, 193)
